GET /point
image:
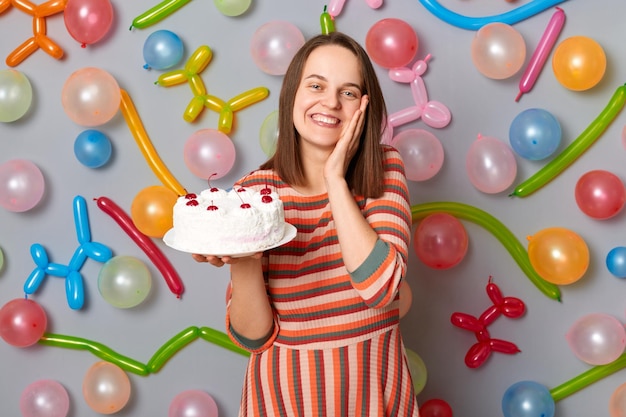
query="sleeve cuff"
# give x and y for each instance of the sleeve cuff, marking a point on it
(373, 261)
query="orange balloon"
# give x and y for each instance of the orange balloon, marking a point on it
(579, 63)
(106, 388)
(152, 210)
(559, 255)
(406, 298)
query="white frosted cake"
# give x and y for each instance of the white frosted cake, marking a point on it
(228, 222)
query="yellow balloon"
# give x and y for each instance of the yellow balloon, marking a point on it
(579, 63)
(559, 255)
(152, 210)
(417, 367)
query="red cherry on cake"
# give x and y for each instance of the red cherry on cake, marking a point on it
(211, 188)
(245, 206)
(192, 203)
(212, 207)
(267, 199)
(190, 196)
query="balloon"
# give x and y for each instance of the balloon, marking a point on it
(491, 165)
(106, 388)
(559, 255)
(269, 133)
(616, 261)
(221, 339)
(435, 407)
(162, 49)
(576, 148)
(541, 53)
(193, 403)
(335, 6)
(1, 259)
(527, 399)
(144, 242)
(421, 152)
(22, 322)
(418, 370)
(433, 113)
(152, 210)
(440, 241)
(406, 298)
(145, 145)
(157, 13)
(474, 23)
(579, 63)
(209, 153)
(498, 51)
(391, 43)
(600, 194)
(232, 7)
(90, 96)
(45, 398)
(124, 281)
(92, 148)
(88, 21)
(22, 185)
(16, 95)
(274, 44)
(39, 40)
(499, 230)
(196, 63)
(597, 338)
(172, 346)
(617, 402)
(326, 22)
(535, 134)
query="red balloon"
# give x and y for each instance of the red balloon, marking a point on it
(88, 21)
(440, 241)
(600, 194)
(435, 407)
(391, 43)
(22, 322)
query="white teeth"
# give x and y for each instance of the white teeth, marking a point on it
(325, 119)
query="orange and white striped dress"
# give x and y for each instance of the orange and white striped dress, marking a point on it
(336, 348)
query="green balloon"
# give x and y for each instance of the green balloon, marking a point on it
(1, 259)
(124, 281)
(16, 95)
(232, 7)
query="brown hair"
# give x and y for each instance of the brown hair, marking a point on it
(365, 172)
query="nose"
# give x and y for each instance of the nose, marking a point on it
(331, 100)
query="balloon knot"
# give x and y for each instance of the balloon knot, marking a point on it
(83, 45)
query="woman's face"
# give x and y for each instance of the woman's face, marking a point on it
(328, 95)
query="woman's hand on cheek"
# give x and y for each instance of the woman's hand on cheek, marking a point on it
(339, 159)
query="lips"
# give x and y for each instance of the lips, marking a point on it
(324, 119)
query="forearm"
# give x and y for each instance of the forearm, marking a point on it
(356, 236)
(249, 309)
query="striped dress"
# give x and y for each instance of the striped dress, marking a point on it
(336, 348)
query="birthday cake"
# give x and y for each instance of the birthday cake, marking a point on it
(219, 222)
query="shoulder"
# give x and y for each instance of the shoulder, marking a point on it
(261, 178)
(391, 157)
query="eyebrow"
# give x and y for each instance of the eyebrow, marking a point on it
(321, 77)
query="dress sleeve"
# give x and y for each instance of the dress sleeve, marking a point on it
(377, 280)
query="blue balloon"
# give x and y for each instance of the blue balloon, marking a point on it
(92, 148)
(163, 49)
(535, 134)
(527, 399)
(616, 261)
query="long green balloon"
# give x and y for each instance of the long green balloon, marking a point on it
(499, 230)
(587, 138)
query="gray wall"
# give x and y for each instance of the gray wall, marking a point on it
(478, 105)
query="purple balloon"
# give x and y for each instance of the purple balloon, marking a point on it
(45, 398)
(21, 185)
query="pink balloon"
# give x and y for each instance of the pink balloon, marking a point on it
(106, 388)
(22, 322)
(597, 338)
(391, 43)
(22, 185)
(491, 165)
(91, 96)
(45, 398)
(498, 50)
(194, 403)
(274, 45)
(440, 241)
(209, 153)
(422, 153)
(88, 21)
(600, 194)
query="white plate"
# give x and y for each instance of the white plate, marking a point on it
(290, 233)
